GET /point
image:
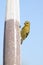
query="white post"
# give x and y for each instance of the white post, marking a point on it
(11, 54)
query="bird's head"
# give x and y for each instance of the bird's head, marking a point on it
(27, 23)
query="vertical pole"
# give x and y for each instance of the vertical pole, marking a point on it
(11, 53)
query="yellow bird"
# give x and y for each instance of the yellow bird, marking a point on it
(25, 31)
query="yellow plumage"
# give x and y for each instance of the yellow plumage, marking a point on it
(25, 31)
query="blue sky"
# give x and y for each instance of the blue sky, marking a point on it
(32, 47)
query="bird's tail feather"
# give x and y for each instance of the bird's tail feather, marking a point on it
(21, 41)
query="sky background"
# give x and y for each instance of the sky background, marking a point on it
(32, 47)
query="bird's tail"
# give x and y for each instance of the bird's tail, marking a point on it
(21, 41)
